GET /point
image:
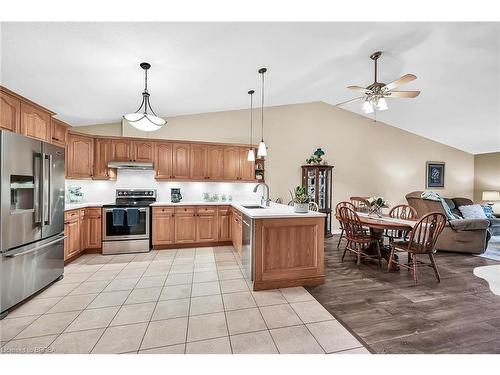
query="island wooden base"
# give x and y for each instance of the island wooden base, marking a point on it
(288, 252)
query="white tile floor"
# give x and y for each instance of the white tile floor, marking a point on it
(170, 301)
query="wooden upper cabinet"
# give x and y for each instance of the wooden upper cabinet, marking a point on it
(121, 149)
(215, 162)
(247, 168)
(198, 164)
(143, 151)
(59, 132)
(35, 122)
(163, 160)
(231, 163)
(102, 155)
(10, 112)
(79, 156)
(180, 160)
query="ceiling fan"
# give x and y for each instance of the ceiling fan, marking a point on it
(376, 93)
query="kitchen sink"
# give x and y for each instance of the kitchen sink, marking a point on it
(253, 207)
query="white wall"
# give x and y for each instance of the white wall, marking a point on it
(104, 191)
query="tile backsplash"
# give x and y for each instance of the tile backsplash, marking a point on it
(104, 191)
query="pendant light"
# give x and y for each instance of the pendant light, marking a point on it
(262, 150)
(141, 119)
(251, 153)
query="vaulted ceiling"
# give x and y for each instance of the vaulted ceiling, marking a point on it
(89, 72)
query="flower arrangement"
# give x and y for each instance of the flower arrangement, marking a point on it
(376, 205)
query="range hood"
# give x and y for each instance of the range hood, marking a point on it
(130, 165)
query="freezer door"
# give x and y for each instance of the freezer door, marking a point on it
(20, 190)
(28, 269)
(53, 189)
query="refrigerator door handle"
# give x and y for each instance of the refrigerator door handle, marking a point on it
(38, 190)
(47, 189)
(34, 249)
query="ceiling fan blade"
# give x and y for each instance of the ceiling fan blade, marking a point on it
(350, 101)
(359, 89)
(401, 81)
(402, 94)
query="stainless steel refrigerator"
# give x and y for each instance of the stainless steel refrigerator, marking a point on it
(31, 217)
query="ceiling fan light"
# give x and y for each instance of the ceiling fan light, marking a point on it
(367, 107)
(262, 150)
(251, 155)
(382, 104)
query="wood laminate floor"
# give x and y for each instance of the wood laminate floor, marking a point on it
(391, 315)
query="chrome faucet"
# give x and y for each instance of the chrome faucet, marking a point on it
(263, 201)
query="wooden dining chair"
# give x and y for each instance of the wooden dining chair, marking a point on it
(403, 212)
(421, 240)
(357, 239)
(313, 206)
(342, 204)
(361, 204)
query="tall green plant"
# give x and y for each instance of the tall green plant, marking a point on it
(300, 195)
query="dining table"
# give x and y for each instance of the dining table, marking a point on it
(380, 224)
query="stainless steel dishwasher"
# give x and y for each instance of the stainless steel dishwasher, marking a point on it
(247, 250)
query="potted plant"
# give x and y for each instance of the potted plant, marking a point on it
(376, 205)
(300, 200)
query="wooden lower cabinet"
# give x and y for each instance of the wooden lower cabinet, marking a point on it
(224, 221)
(185, 228)
(163, 226)
(190, 225)
(206, 224)
(72, 242)
(92, 229)
(83, 231)
(237, 231)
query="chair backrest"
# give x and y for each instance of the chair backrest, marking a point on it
(425, 233)
(360, 203)
(344, 204)
(403, 211)
(279, 200)
(351, 223)
(313, 206)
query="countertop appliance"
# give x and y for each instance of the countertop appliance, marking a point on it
(31, 217)
(123, 234)
(175, 195)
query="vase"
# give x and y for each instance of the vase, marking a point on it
(301, 208)
(375, 211)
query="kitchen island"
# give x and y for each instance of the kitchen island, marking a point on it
(276, 246)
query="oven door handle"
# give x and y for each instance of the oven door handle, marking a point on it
(142, 209)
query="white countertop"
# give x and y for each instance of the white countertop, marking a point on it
(274, 211)
(75, 206)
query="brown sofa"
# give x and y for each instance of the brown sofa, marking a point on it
(460, 235)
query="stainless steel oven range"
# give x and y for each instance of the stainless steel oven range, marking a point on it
(126, 225)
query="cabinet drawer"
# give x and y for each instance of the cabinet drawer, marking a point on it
(185, 210)
(163, 211)
(224, 210)
(206, 210)
(71, 215)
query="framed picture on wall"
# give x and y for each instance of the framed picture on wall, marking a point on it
(434, 176)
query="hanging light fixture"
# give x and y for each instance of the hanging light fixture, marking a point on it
(262, 150)
(251, 153)
(141, 119)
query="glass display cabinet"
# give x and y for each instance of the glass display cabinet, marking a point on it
(318, 181)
